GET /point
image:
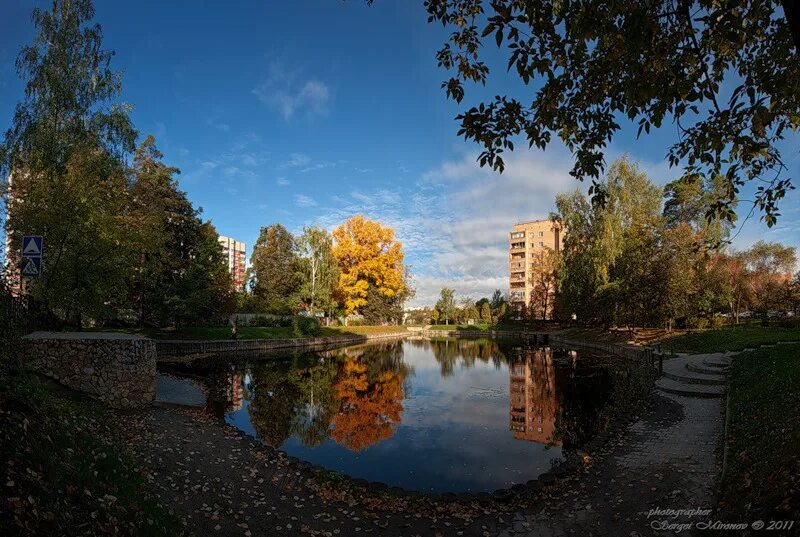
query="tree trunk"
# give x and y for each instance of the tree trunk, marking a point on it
(791, 8)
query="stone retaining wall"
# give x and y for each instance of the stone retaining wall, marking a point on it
(644, 355)
(476, 333)
(118, 369)
(177, 348)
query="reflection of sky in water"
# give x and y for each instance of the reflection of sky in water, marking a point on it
(454, 436)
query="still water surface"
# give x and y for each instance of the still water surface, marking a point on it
(432, 415)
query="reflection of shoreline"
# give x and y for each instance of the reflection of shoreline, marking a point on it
(532, 396)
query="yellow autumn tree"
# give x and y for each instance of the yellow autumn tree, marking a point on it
(369, 257)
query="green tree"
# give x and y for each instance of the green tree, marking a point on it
(724, 72)
(64, 152)
(319, 270)
(609, 270)
(173, 238)
(205, 288)
(446, 305)
(276, 274)
(497, 300)
(770, 266)
(381, 309)
(486, 313)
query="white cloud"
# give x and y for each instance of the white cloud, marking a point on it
(282, 181)
(282, 91)
(304, 201)
(224, 127)
(295, 160)
(454, 223)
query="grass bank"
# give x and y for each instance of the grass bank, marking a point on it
(762, 476)
(733, 338)
(66, 474)
(259, 332)
(730, 339)
(482, 327)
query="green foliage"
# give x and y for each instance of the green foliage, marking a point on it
(608, 272)
(724, 72)
(63, 151)
(114, 237)
(381, 309)
(84, 216)
(181, 274)
(276, 270)
(204, 289)
(319, 271)
(446, 305)
(486, 313)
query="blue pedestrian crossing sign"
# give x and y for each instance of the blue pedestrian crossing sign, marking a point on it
(31, 267)
(32, 250)
(32, 246)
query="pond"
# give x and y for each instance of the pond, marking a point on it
(428, 415)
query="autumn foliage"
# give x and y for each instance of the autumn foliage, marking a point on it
(368, 256)
(369, 408)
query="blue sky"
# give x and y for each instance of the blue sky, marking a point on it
(310, 111)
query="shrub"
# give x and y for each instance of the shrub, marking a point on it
(717, 321)
(304, 326)
(790, 322)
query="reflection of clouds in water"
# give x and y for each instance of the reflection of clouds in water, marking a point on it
(455, 430)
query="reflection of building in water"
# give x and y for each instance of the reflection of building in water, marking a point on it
(229, 392)
(532, 391)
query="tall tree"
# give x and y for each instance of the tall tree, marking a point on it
(770, 266)
(63, 151)
(275, 269)
(544, 267)
(725, 72)
(608, 269)
(369, 256)
(320, 272)
(205, 288)
(498, 300)
(486, 313)
(446, 305)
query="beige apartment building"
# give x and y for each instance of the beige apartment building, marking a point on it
(234, 252)
(525, 240)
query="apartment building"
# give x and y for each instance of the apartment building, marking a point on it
(525, 241)
(234, 252)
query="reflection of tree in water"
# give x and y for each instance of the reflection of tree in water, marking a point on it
(352, 395)
(370, 391)
(593, 391)
(276, 396)
(464, 352)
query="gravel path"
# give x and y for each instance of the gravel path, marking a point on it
(668, 459)
(221, 483)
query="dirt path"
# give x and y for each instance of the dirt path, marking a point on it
(668, 459)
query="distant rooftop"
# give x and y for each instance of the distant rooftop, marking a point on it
(532, 221)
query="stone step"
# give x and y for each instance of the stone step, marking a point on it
(689, 390)
(718, 361)
(677, 369)
(698, 367)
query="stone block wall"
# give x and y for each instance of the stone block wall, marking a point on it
(118, 369)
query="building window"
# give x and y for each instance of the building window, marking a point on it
(541, 243)
(541, 233)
